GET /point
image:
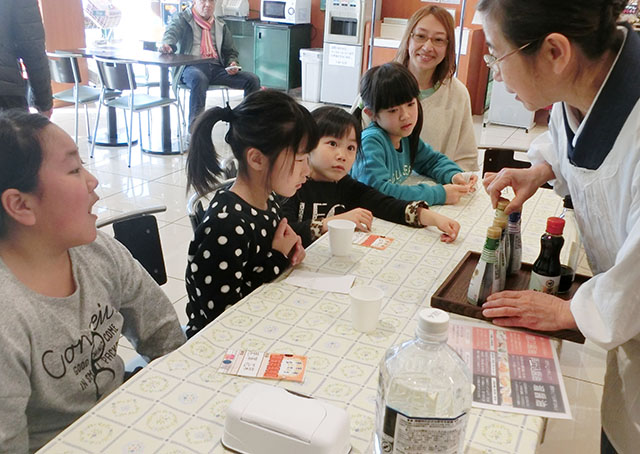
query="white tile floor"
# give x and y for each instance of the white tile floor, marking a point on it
(160, 180)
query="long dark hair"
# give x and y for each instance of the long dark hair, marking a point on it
(20, 154)
(447, 67)
(268, 120)
(336, 122)
(591, 24)
(390, 85)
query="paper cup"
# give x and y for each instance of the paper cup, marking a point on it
(340, 236)
(366, 301)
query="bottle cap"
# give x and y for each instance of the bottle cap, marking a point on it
(555, 225)
(568, 203)
(514, 216)
(494, 233)
(500, 222)
(433, 324)
(502, 203)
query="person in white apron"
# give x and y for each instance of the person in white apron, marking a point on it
(574, 54)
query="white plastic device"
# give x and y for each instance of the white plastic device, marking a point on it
(266, 419)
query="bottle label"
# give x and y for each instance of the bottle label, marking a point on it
(544, 284)
(422, 435)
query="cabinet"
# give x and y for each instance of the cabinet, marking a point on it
(243, 37)
(277, 53)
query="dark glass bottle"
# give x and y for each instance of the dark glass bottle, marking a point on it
(515, 243)
(546, 271)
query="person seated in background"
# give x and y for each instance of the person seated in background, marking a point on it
(197, 31)
(67, 292)
(330, 193)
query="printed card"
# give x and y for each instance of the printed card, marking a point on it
(276, 366)
(370, 240)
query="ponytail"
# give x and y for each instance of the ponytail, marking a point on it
(202, 160)
(267, 120)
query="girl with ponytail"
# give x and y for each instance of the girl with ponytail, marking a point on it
(243, 241)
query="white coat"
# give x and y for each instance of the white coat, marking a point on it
(606, 198)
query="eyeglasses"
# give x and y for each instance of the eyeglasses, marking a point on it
(437, 41)
(492, 61)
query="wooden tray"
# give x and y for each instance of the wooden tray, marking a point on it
(451, 296)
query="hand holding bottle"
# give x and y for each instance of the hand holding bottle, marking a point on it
(529, 309)
(525, 182)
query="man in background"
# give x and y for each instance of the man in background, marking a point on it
(22, 37)
(197, 31)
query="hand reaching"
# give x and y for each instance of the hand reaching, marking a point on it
(467, 179)
(362, 217)
(448, 226)
(525, 183)
(454, 192)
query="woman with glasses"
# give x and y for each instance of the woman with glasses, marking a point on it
(427, 49)
(574, 54)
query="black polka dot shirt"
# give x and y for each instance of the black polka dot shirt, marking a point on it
(230, 256)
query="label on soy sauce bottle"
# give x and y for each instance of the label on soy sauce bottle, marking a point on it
(544, 284)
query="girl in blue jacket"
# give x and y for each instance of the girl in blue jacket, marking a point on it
(392, 147)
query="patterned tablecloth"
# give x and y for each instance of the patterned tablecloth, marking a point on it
(177, 404)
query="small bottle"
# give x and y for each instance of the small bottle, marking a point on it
(570, 252)
(424, 392)
(515, 243)
(503, 249)
(545, 274)
(500, 206)
(485, 279)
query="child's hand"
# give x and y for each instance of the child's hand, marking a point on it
(285, 239)
(363, 219)
(448, 226)
(297, 253)
(468, 179)
(454, 192)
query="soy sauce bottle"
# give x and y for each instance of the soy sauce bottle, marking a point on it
(515, 243)
(546, 271)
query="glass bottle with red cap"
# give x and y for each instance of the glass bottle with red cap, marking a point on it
(546, 271)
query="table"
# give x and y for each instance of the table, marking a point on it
(177, 403)
(163, 144)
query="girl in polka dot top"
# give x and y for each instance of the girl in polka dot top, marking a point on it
(242, 241)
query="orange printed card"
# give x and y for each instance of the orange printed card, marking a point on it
(276, 366)
(370, 240)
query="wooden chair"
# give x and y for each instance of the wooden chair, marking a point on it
(497, 158)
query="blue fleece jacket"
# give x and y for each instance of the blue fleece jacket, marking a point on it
(383, 167)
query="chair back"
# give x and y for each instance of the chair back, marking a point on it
(496, 158)
(116, 75)
(64, 68)
(138, 232)
(195, 205)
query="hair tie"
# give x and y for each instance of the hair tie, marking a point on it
(227, 114)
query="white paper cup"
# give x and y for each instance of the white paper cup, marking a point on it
(340, 236)
(366, 301)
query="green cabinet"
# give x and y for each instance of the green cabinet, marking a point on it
(243, 32)
(277, 53)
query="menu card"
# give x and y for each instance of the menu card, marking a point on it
(277, 366)
(513, 371)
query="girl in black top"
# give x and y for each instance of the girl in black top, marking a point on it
(242, 241)
(330, 193)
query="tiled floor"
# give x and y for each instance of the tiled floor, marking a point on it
(160, 180)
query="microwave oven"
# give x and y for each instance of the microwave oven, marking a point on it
(286, 11)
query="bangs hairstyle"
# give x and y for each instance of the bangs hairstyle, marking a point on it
(391, 85)
(447, 67)
(21, 154)
(268, 120)
(337, 122)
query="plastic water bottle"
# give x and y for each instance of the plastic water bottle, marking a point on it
(424, 393)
